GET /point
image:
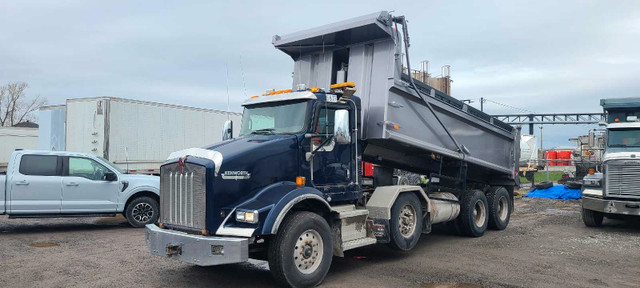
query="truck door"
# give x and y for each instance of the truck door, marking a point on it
(84, 189)
(36, 185)
(332, 162)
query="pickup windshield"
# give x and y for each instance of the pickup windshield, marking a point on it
(624, 138)
(274, 118)
(111, 165)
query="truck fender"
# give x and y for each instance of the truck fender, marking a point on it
(383, 198)
(289, 200)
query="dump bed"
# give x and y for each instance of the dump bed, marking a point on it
(368, 50)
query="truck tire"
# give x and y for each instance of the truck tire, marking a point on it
(473, 218)
(300, 254)
(405, 226)
(142, 211)
(592, 218)
(544, 185)
(499, 204)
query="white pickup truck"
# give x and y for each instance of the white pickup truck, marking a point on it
(66, 184)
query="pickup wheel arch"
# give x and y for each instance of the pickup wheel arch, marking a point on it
(139, 194)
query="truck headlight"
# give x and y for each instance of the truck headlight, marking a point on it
(247, 216)
(592, 182)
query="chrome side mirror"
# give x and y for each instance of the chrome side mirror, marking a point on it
(227, 130)
(341, 131)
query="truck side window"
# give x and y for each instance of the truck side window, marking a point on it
(39, 165)
(86, 168)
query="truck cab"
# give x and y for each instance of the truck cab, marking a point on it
(614, 188)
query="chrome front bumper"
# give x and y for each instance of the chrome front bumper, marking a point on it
(611, 206)
(196, 249)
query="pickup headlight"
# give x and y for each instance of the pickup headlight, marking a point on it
(247, 216)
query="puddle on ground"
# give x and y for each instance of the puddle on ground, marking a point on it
(450, 285)
(43, 244)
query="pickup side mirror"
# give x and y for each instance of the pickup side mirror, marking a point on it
(341, 131)
(227, 130)
(110, 176)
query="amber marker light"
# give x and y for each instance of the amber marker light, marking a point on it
(300, 181)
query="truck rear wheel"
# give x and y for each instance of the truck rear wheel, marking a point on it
(142, 211)
(592, 218)
(300, 254)
(473, 218)
(499, 208)
(405, 226)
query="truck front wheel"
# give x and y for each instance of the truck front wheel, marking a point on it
(592, 218)
(301, 253)
(499, 208)
(142, 211)
(473, 218)
(405, 226)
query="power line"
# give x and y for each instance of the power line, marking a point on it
(508, 106)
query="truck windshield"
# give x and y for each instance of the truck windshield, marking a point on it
(624, 138)
(111, 165)
(274, 118)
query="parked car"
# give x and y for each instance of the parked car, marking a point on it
(63, 184)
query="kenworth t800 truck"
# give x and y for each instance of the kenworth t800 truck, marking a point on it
(615, 188)
(290, 188)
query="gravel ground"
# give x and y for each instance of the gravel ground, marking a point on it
(545, 245)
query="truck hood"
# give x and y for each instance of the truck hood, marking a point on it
(621, 154)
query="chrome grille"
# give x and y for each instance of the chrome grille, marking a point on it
(623, 179)
(182, 195)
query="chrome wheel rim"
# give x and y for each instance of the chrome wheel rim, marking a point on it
(503, 208)
(308, 251)
(142, 212)
(479, 213)
(407, 221)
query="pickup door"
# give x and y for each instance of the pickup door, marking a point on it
(35, 185)
(84, 189)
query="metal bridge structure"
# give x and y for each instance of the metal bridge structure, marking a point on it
(550, 119)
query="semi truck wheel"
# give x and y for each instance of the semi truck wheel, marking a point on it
(473, 218)
(301, 253)
(499, 204)
(142, 211)
(592, 218)
(405, 226)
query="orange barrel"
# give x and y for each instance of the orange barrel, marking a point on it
(564, 155)
(551, 156)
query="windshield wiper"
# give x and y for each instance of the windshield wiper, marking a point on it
(264, 131)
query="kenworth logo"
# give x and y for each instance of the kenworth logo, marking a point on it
(236, 175)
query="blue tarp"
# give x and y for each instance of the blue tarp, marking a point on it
(555, 192)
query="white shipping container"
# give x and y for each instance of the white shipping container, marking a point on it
(12, 138)
(140, 135)
(51, 133)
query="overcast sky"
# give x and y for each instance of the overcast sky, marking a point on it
(540, 56)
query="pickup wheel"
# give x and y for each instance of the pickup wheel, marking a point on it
(301, 253)
(142, 211)
(592, 218)
(473, 218)
(405, 226)
(499, 204)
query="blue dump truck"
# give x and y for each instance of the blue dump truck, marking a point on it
(290, 188)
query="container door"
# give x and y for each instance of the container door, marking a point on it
(35, 186)
(332, 162)
(84, 189)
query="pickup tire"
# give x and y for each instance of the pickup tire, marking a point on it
(142, 211)
(300, 254)
(592, 218)
(405, 225)
(473, 218)
(499, 208)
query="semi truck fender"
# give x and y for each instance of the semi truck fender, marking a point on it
(383, 198)
(287, 202)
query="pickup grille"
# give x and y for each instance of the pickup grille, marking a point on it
(183, 195)
(623, 180)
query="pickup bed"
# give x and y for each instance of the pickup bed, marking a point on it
(67, 184)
